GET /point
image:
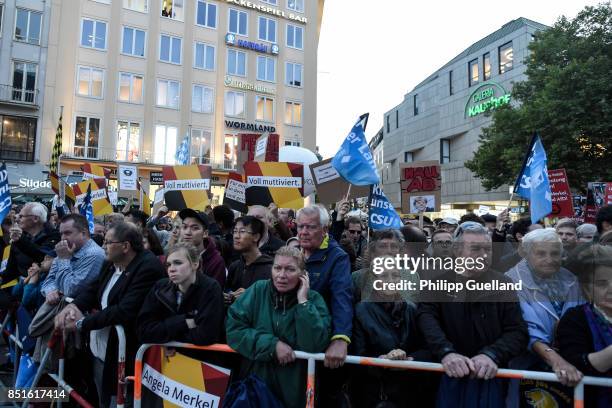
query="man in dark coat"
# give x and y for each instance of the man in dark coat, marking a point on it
(472, 332)
(127, 275)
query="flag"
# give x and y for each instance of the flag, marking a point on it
(354, 161)
(5, 193)
(532, 182)
(64, 192)
(182, 154)
(86, 209)
(57, 149)
(382, 215)
(145, 202)
(91, 171)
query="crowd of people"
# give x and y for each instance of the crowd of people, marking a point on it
(274, 281)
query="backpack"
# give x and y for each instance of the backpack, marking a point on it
(251, 392)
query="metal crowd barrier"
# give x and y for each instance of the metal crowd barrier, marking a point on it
(367, 361)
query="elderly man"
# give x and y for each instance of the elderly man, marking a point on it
(329, 270)
(448, 224)
(78, 261)
(472, 332)
(113, 299)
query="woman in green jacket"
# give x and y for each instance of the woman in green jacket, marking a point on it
(272, 319)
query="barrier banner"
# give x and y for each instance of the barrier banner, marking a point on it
(234, 192)
(99, 197)
(274, 182)
(181, 381)
(562, 205)
(186, 186)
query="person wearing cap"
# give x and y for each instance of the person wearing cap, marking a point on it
(194, 230)
(449, 224)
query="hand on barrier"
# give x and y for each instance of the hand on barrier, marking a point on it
(335, 354)
(67, 318)
(457, 366)
(484, 367)
(284, 353)
(396, 354)
(169, 352)
(566, 373)
(15, 233)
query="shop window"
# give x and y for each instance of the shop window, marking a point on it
(18, 138)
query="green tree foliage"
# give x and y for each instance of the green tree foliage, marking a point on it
(566, 98)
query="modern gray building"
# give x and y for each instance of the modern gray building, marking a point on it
(24, 28)
(442, 117)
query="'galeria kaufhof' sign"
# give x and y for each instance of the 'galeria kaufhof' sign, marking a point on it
(231, 82)
(230, 39)
(486, 97)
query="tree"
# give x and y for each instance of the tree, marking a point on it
(566, 99)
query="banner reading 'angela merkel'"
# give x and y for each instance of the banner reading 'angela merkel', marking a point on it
(186, 187)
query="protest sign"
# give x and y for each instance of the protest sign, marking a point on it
(99, 198)
(274, 182)
(330, 185)
(561, 194)
(234, 196)
(158, 200)
(421, 184)
(246, 146)
(186, 186)
(128, 177)
(261, 147)
(599, 194)
(382, 215)
(91, 171)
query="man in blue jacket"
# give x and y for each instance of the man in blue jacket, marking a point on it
(329, 270)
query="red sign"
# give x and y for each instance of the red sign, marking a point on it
(598, 195)
(561, 195)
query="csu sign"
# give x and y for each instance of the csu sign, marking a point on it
(486, 97)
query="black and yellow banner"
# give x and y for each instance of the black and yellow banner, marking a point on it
(187, 187)
(274, 182)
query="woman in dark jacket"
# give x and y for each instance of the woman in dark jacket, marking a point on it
(186, 307)
(584, 334)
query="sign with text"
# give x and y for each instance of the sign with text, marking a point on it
(261, 147)
(158, 200)
(247, 144)
(330, 185)
(599, 194)
(99, 198)
(274, 182)
(156, 178)
(421, 184)
(562, 205)
(128, 178)
(186, 186)
(234, 196)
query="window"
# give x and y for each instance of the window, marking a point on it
(238, 22)
(236, 63)
(486, 67)
(450, 83)
(293, 113)
(267, 29)
(128, 141)
(266, 69)
(27, 26)
(408, 157)
(1, 15)
(230, 150)
(168, 93)
(296, 5)
(397, 119)
(173, 9)
(93, 34)
(91, 82)
(204, 56)
(264, 108)
(170, 49)
(444, 151)
(165, 144)
(234, 103)
(130, 87)
(138, 5)
(24, 82)
(293, 74)
(133, 42)
(18, 138)
(275, 2)
(415, 101)
(506, 57)
(388, 123)
(295, 37)
(86, 135)
(200, 145)
(206, 14)
(473, 72)
(202, 99)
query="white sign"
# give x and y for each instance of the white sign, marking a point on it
(175, 392)
(274, 181)
(235, 190)
(112, 197)
(95, 195)
(325, 173)
(159, 196)
(193, 184)
(483, 209)
(260, 147)
(128, 178)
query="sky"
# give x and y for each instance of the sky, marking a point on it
(373, 52)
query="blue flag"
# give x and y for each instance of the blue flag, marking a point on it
(382, 213)
(354, 161)
(86, 209)
(182, 154)
(5, 193)
(533, 183)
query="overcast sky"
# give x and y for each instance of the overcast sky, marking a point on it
(373, 52)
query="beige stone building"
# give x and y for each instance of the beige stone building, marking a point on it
(135, 77)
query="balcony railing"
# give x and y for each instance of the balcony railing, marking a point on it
(11, 94)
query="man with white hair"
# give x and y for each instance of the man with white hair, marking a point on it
(329, 270)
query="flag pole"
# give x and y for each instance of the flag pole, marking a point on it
(59, 157)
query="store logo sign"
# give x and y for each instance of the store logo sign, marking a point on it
(486, 97)
(230, 39)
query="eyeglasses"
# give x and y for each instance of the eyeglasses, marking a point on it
(25, 215)
(105, 242)
(442, 243)
(242, 232)
(309, 227)
(469, 226)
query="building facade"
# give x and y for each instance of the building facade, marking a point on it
(24, 27)
(135, 77)
(442, 117)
